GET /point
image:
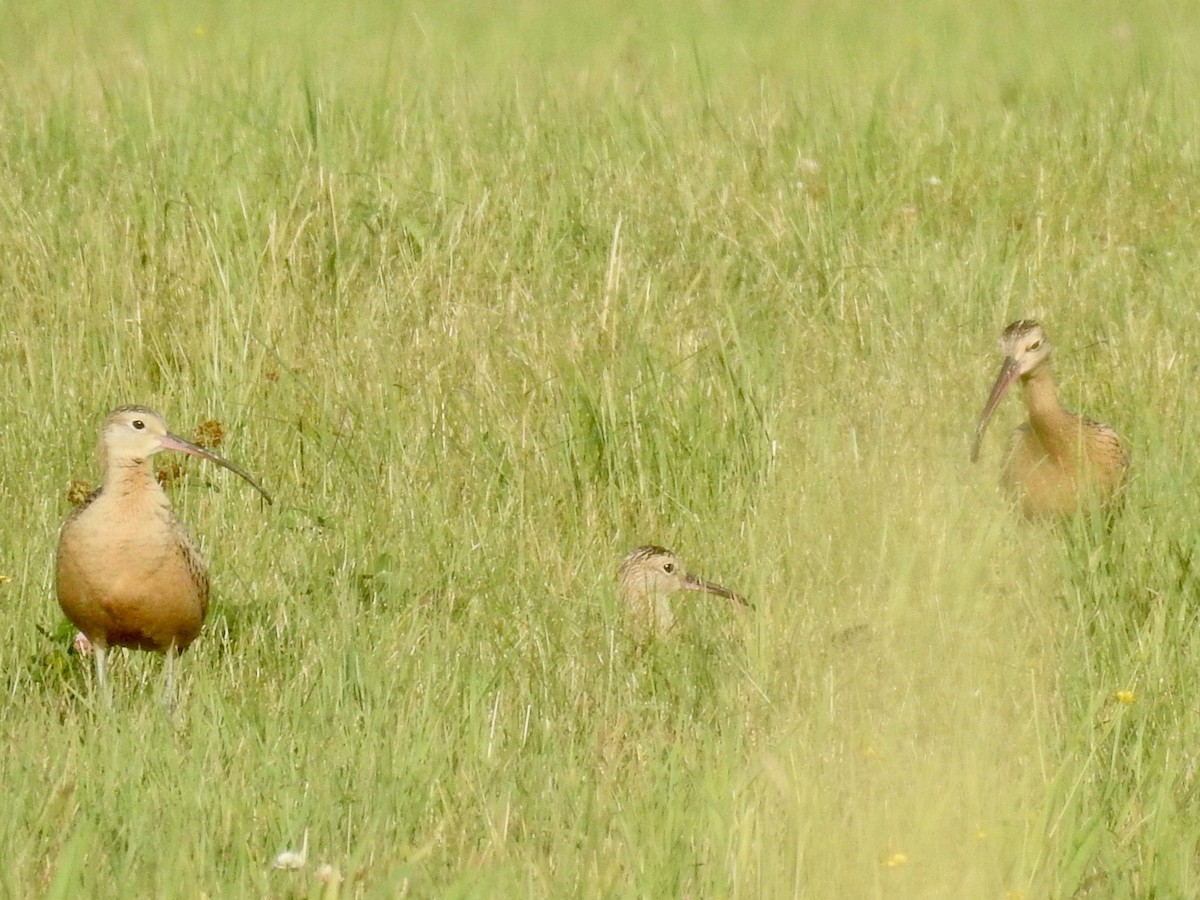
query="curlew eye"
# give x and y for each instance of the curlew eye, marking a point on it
(138, 424)
(669, 567)
(1035, 344)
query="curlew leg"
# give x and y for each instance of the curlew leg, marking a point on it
(101, 653)
(168, 697)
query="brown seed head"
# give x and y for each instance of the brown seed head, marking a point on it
(209, 434)
(168, 473)
(78, 491)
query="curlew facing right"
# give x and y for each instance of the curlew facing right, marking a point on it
(127, 572)
(647, 578)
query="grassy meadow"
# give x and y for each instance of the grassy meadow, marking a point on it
(487, 297)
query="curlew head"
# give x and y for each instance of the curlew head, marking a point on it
(132, 434)
(1025, 348)
(655, 572)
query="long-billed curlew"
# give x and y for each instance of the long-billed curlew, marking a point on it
(1059, 462)
(128, 573)
(647, 578)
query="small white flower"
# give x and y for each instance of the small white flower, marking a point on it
(290, 859)
(808, 166)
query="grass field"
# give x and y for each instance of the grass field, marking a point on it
(488, 298)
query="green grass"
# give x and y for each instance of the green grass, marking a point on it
(488, 298)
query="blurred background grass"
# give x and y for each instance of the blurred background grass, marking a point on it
(489, 297)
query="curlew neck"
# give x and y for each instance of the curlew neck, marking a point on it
(1055, 425)
(127, 477)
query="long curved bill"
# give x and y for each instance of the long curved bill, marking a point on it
(1008, 374)
(696, 583)
(171, 442)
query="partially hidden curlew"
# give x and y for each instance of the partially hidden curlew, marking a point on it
(1059, 463)
(128, 574)
(646, 580)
